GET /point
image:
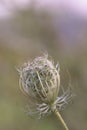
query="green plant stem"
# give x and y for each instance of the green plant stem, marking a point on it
(56, 112)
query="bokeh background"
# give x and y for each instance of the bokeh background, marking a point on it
(27, 29)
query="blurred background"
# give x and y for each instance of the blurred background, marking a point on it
(27, 29)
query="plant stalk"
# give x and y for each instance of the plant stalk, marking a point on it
(56, 112)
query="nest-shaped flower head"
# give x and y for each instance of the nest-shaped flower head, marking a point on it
(40, 79)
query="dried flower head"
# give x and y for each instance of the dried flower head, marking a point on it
(40, 79)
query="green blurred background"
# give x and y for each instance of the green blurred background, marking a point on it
(24, 36)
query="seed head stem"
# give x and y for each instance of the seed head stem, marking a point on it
(56, 112)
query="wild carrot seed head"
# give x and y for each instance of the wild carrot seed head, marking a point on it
(40, 79)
